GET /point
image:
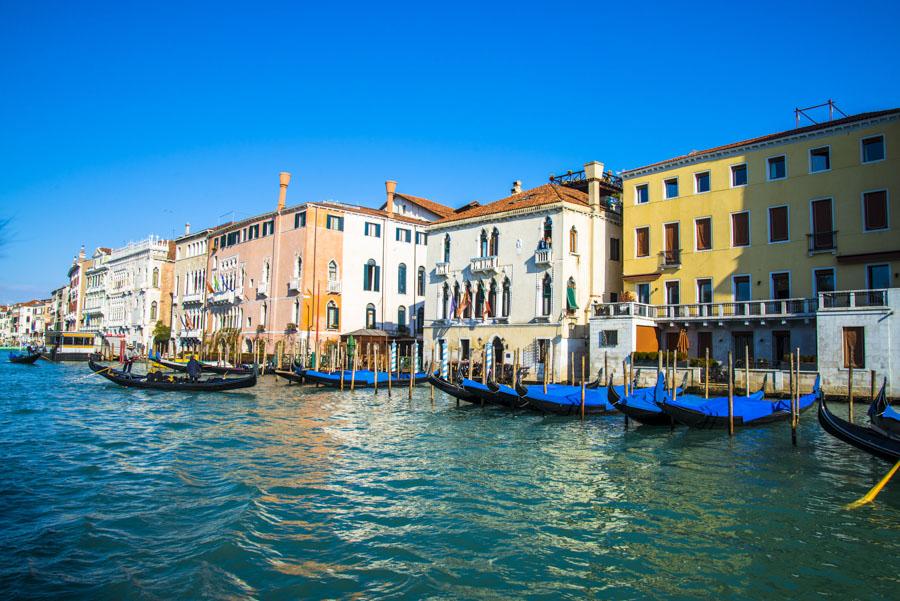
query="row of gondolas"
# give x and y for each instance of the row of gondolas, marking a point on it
(658, 405)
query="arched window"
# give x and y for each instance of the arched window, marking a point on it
(573, 240)
(156, 277)
(370, 316)
(445, 301)
(447, 248)
(467, 301)
(333, 315)
(494, 249)
(371, 276)
(483, 244)
(401, 318)
(547, 235)
(420, 282)
(154, 309)
(479, 301)
(571, 304)
(505, 301)
(401, 278)
(295, 316)
(454, 305)
(420, 319)
(263, 313)
(490, 309)
(546, 295)
(267, 271)
(298, 267)
(332, 271)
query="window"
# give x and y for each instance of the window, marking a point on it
(820, 159)
(154, 309)
(781, 285)
(738, 175)
(494, 246)
(298, 267)
(854, 347)
(703, 233)
(740, 229)
(401, 278)
(401, 318)
(778, 224)
(334, 222)
(609, 338)
(670, 188)
(421, 238)
(420, 319)
(615, 249)
(420, 282)
(371, 276)
(372, 230)
(548, 233)
(701, 182)
(673, 292)
(642, 242)
(464, 348)
(300, 219)
(741, 284)
(878, 276)
(507, 297)
(823, 280)
(332, 316)
(571, 297)
(823, 234)
(672, 241)
(268, 227)
(403, 234)
(370, 316)
(479, 301)
(777, 167)
(573, 240)
(445, 301)
(332, 271)
(641, 194)
(156, 277)
(490, 308)
(546, 295)
(873, 149)
(704, 290)
(643, 293)
(875, 210)
(466, 303)
(447, 248)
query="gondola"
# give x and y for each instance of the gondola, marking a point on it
(212, 369)
(481, 392)
(24, 358)
(861, 437)
(506, 395)
(641, 404)
(452, 389)
(563, 399)
(363, 379)
(882, 416)
(698, 412)
(296, 377)
(157, 381)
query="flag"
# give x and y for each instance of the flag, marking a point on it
(464, 303)
(487, 308)
(452, 306)
(209, 288)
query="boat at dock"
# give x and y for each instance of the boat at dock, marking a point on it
(452, 389)
(159, 381)
(882, 415)
(868, 439)
(641, 404)
(363, 378)
(24, 358)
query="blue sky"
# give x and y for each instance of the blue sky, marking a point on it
(118, 120)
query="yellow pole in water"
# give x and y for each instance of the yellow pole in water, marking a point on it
(872, 385)
(375, 373)
(850, 381)
(431, 374)
(582, 387)
(412, 372)
(606, 365)
(353, 368)
(730, 395)
(870, 496)
(793, 406)
(546, 358)
(706, 377)
(747, 370)
(342, 366)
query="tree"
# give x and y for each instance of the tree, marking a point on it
(161, 335)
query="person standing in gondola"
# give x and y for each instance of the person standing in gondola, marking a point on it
(193, 369)
(128, 359)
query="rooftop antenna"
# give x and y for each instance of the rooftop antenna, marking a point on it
(831, 108)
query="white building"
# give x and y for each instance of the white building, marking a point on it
(138, 289)
(189, 291)
(95, 299)
(523, 272)
(28, 321)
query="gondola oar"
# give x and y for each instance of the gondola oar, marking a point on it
(870, 496)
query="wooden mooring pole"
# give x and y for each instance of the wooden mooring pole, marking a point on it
(730, 394)
(850, 380)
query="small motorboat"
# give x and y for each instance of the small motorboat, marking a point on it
(698, 412)
(160, 381)
(867, 439)
(24, 358)
(882, 416)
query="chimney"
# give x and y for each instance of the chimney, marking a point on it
(284, 178)
(81, 253)
(516, 187)
(389, 186)
(593, 172)
(187, 229)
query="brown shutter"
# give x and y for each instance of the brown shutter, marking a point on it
(876, 210)
(643, 242)
(740, 226)
(854, 347)
(671, 236)
(703, 234)
(778, 226)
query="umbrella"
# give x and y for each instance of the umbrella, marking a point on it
(683, 345)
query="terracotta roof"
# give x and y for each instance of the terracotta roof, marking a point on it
(770, 137)
(542, 195)
(429, 205)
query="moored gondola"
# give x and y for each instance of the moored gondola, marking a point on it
(452, 389)
(223, 370)
(861, 437)
(883, 417)
(361, 378)
(295, 377)
(481, 392)
(642, 404)
(24, 358)
(708, 413)
(158, 381)
(506, 395)
(563, 399)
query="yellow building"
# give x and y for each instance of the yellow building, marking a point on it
(735, 244)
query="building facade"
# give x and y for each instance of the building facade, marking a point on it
(189, 288)
(95, 295)
(72, 319)
(523, 272)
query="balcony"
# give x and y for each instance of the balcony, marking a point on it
(670, 259)
(741, 310)
(226, 297)
(543, 256)
(193, 333)
(853, 299)
(294, 284)
(483, 265)
(442, 269)
(333, 287)
(262, 289)
(822, 242)
(195, 298)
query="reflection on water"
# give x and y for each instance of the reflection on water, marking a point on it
(292, 492)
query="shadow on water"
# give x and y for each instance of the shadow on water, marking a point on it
(292, 492)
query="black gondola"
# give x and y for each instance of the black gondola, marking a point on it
(883, 417)
(861, 437)
(452, 389)
(297, 377)
(647, 415)
(24, 359)
(213, 369)
(159, 382)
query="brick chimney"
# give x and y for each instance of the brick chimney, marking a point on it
(81, 253)
(516, 187)
(284, 178)
(593, 172)
(187, 229)
(389, 186)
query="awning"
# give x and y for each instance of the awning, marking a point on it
(642, 277)
(570, 299)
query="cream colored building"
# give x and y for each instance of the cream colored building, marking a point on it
(189, 288)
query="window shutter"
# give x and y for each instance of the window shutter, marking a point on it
(366, 277)
(377, 278)
(876, 210)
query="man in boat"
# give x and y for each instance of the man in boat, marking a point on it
(128, 359)
(193, 369)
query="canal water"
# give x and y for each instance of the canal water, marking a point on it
(289, 492)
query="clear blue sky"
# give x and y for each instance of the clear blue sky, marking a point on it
(118, 120)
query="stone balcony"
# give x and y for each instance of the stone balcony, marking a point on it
(191, 333)
(333, 287)
(262, 289)
(294, 284)
(226, 297)
(442, 269)
(194, 298)
(792, 308)
(483, 265)
(543, 256)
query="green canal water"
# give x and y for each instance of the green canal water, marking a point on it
(289, 492)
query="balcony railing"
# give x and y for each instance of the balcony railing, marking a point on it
(262, 289)
(192, 333)
(294, 284)
(670, 258)
(442, 269)
(822, 241)
(192, 298)
(756, 309)
(334, 287)
(483, 264)
(543, 256)
(226, 297)
(853, 299)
